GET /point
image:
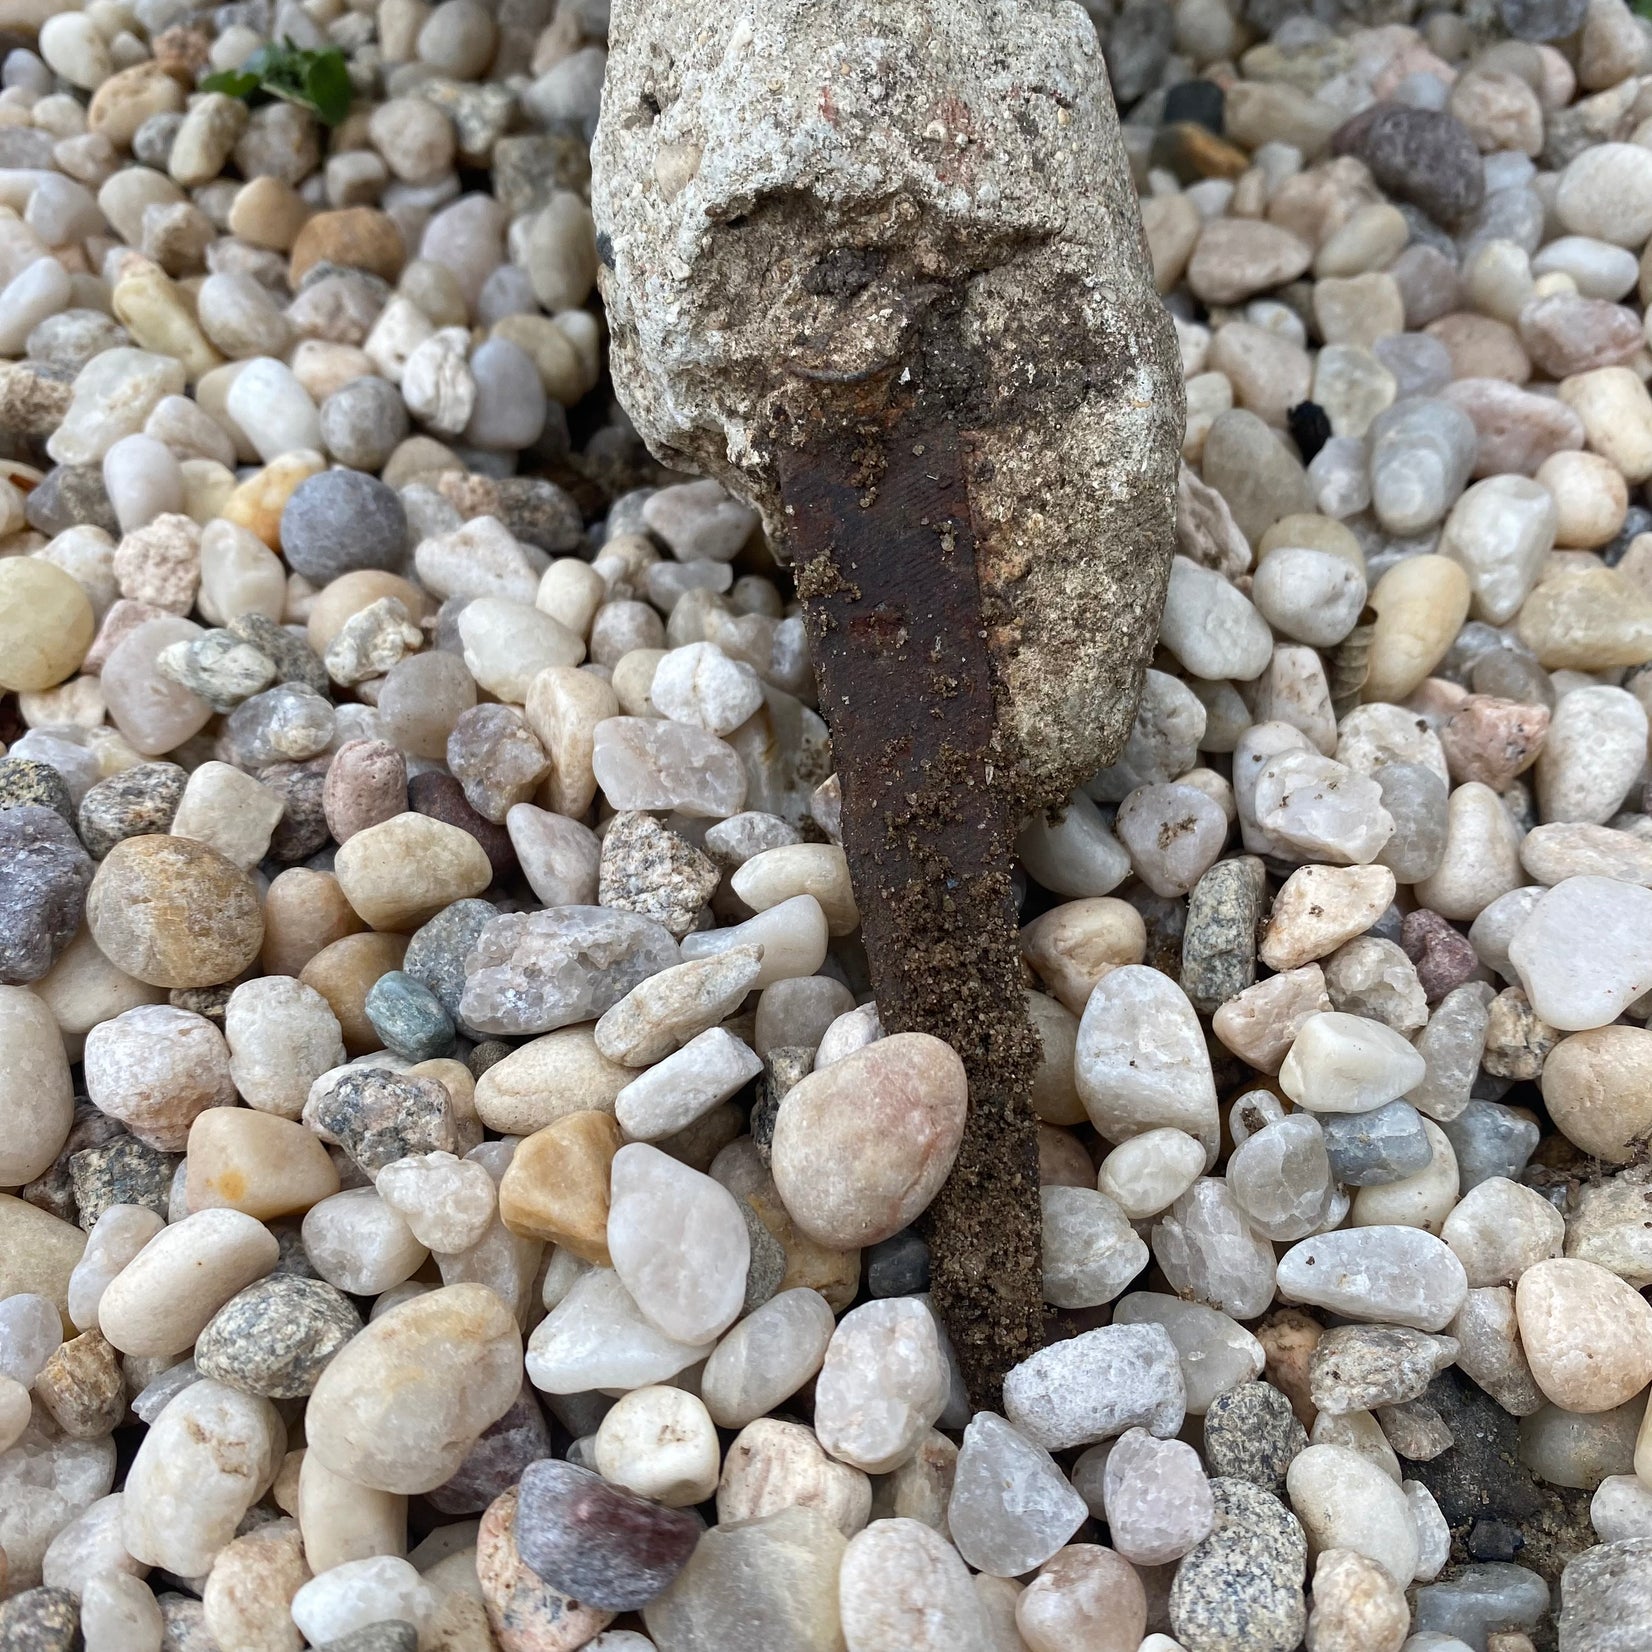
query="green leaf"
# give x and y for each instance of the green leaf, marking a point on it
(319, 81)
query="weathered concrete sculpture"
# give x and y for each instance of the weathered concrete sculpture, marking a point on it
(878, 266)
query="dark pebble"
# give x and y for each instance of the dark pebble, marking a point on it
(44, 876)
(277, 1336)
(436, 955)
(1424, 156)
(767, 1270)
(599, 1543)
(1489, 1140)
(302, 828)
(120, 1171)
(537, 512)
(40, 1620)
(1199, 101)
(487, 1054)
(295, 661)
(410, 1019)
(341, 521)
(134, 803)
(1542, 19)
(496, 1462)
(1251, 1433)
(1443, 954)
(1376, 1148)
(898, 1266)
(393, 1635)
(1218, 953)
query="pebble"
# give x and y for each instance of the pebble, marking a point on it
(1011, 1507)
(1587, 1335)
(882, 1384)
(1240, 1590)
(276, 1337)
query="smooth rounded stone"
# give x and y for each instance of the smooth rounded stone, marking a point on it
(1252, 1434)
(282, 1036)
(1090, 1251)
(764, 1359)
(1096, 1385)
(174, 913)
(538, 971)
(1586, 1333)
(1211, 627)
(1586, 619)
(1340, 1063)
(339, 521)
(160, 1302)
(31, 1331)
(1072, 946)
(1604, 1601)
(401, 873)
(656, 764)
(362, 422)
(686, 1085)
(883, 1383)
(1593, 754)
(1621, 1509)
(1606, 193)
(1477, 1596)
(1608, 918)
(1280, 1178)
(1481, 859)
(399, 1407)
(1399, 1275)
(1140, 1062)
(1500, 1229)
(525, 1611)
(276, 1337)
(1240, 1590)
(1149, 1172)
(1500, 531)
(409, 1018)
(1011, 1507)
(420, 700)
(861, 1148)
(902, 1586)
(776, 1576)
(1554, 853)
(354, 1240)
(1173, 834)
(117, 1236)
(152, 713)
(1158, 1502)
(1422, 454)
(1595, 1085)
(597, 1542)
(1313, 596)
(348, 1597)
(204, 1461)
(701, 685)
(1076, 855)
(659, 1442)
(898, 1266)
(156, 1069)
(1374, 1148)
(507, 644)
(36, 1093)
(1262, 1022)
(1235, 258)
(257, 1163)
(48, 625)
(1345, 1501)
(1207, 1249)
(1215, 1352)
(1489, 1139)
(1567, 1448)
(1517, 429)
(1488, 1350)
(596, 1337)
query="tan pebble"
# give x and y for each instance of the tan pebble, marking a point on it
(834, 1272)
(400, 874)
(82, 1387)
(1597, 1086)
(128, 98)
(1588, 620)
(1260, 1024)
(1073, 945)
(342, 1521)
(268, 212)
(1587, 1334)
(1481, 859)
(1421, 603)
(556, 1188)
(545, 1080)
(1590, 495)
(861, 1148)
(360, 238)
(347, 595)
(82, 990)
(404, 1401)
(161, 1300)
(818, 869)
(250, 1589)
(344, 973)
(174, 913)
(563, 708)
(304, 912)
(1319, 908)
(38, 1252)
(255, 1162)
(1289, 1337)
(46, 623)
(37, 1096)
(1357, 1606)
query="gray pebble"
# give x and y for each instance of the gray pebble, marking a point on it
(302, 828)
(1489, 1140)
(1495, 1595)
(1240, 1590)
(40, 1620)
(276, 1337)
(23, 780)
(341, 521)
(120, 1171)
(378, 1117)
(1359, 1367)
(42, 891)
(1219, 939)
(436, 954)
(1606, 1598)
(152, 142)
(1542, 19)
(1373, 1149)
(363, 421)
(295, 661)
(768, 1259)
(898, 1266)
(392, 1635)
(652, 871)
(71, 496)
(218, 666)
(1251, 1433)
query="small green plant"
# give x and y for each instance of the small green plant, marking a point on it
(314, 80)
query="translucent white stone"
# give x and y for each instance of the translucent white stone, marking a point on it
(686, 1085)
(1281, 1177)
(273, 410)
(1096, 1385)
(1210, 625)
(596, 1337)
(774, 1465)
(765, 1358)
(91, 1543)
(679, 1244)
(641, 763)
(31, 1331)
(376, 1589)
(1345, 1502)
(447, 1202)
(1499, 1229)
(1011, 1507)
(1151, 1171)
(1342, 1063)
(882, 1384)
(699, 684)
(116, 1237)
(1585, 952)
(1216, 1352)
(1321, 809)
(902, 1588)
(1157, 1498)
(118, 1613)
(1141, 1062)
(1396, 1275)
(1210, 1252)
(1090, 1251)
(356, 1241)
(793, 936)
(660, 1443)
